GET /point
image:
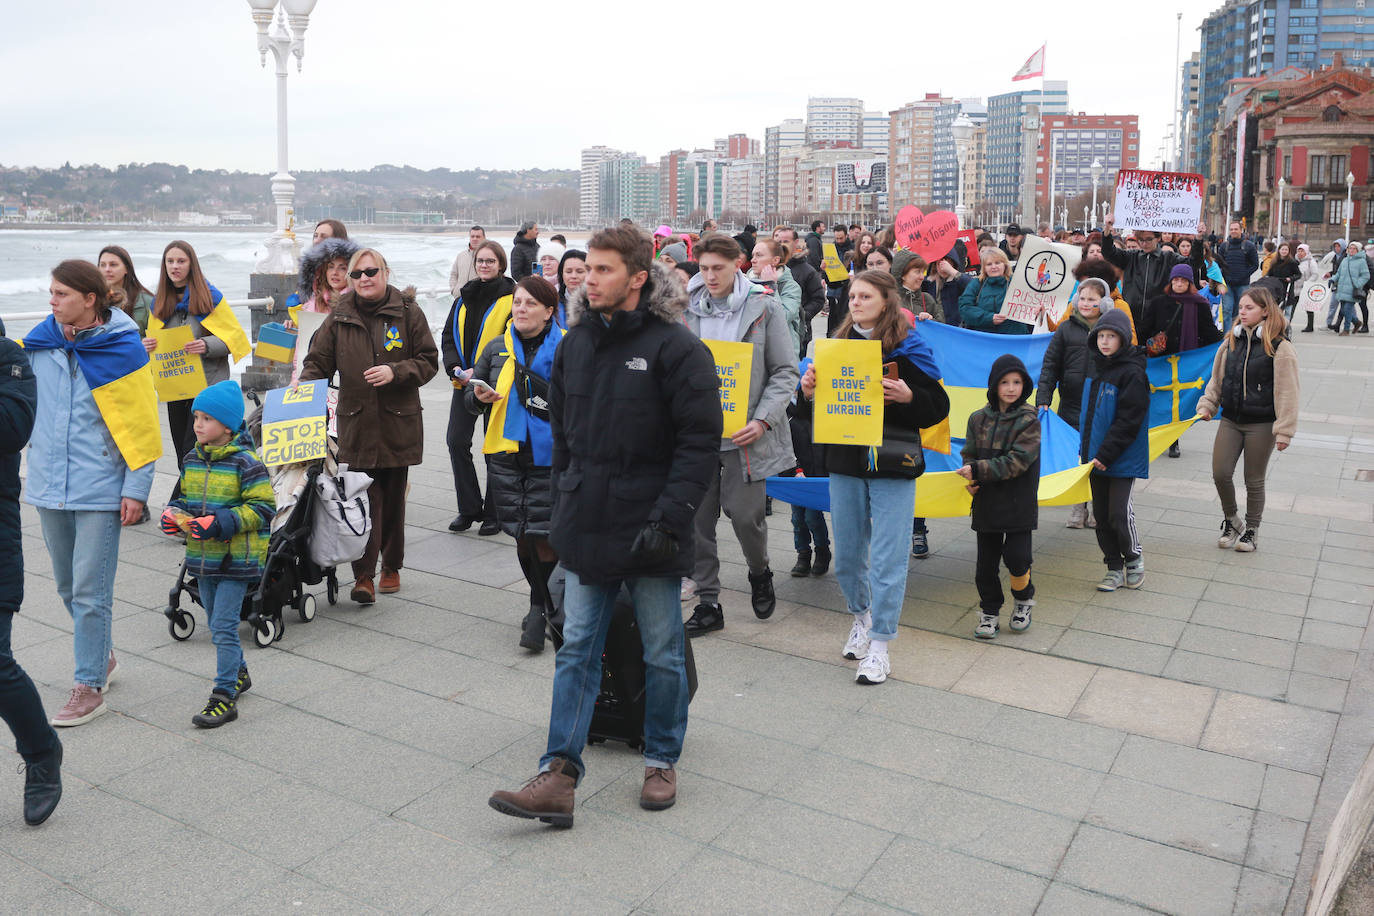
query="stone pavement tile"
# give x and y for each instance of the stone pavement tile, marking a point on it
(828, 783)
(1261, 892)
(1289, 793)
(1319, 660)
(286, 676)
(705, 807)
(792, 717)
(928, 707)
(1277, 602)
(1113, 651)
(858, 905)
(1173, 607)
(1247, 620)
(1270, 732)
(1331, 508)
(736, 757)
(938, 616)
(378, 866)
(345, 645)
(899, 747)
(717, 882)
(1144, 705)
(1245, 647)
(30, 891)
(1332, 635)
(99, 755)
(932, 659)
(1130, 625)
(1190, 770)
(1035, 782)
(991, 829)
(508, 890)
(1276, 844)
(1191, 822)
(918, 877)
(1026, 680)
(411, 620)
(1317, 692)
(1357, 556)
(1057, 738)
(1342, 572)
(1066, 900)
(1150, 874)
(803, 841)
(497, 688)
(1349, 613)
(1340, 590)
(1228, 674)
(295, 893)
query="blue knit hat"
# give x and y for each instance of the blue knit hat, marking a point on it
(223, 401)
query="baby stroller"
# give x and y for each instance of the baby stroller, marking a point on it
(289, 567)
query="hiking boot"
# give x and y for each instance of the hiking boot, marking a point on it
(547, 797)
(874, 669)
(707, 618)
(1135, 573)
(110, 668)
(920, 547)
(390, 583)
(1230, 533)
(1021, 616)
(219, 709)
(762, 597)
(857, 644)
(1247, 544)
(42, 787)
(363, 592)
(1113, 580)
(243, 683)
(84, 704)
(532, 630)
(1078, 516)
(987, 626)
(803, 564)
(821, 565)
(660, 789)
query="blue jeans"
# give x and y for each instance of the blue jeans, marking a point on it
(808, 525)
(1230, 304)
(20, 706)
(1332, 311)
(587, 609)
(84, 547)
(1347, 319)
(222, 599)
(872, 518)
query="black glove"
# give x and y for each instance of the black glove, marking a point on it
(654, 545)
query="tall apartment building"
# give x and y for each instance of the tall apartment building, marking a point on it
(788, 134)
(744, 189)
(670, 192)
(701, 186)
(588, 183)
(944, 181)
(875, 131)
(1068, 146)
(615, 187)
(1006, 114)
(1189, 83)
(737, 146)
(911, 151)
(834, 119)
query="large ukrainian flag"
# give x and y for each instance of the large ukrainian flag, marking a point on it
(221, 322)
(115, 366)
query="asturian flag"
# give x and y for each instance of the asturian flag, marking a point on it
(1034, 66)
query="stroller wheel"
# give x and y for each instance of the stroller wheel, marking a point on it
(265, 633)
(180, 624)
(305, 607)
(331, 588)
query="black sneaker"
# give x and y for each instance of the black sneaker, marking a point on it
(707, 618)
(243, 683)
(219, 709)
(1175, 451)
(763, 599)
(489, 527)
(920, 547)
(42, 787)
(803, 564)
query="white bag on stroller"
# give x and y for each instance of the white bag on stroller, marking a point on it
(342, 518)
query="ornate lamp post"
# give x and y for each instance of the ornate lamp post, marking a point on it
(1349, 206)
(1230, 198)
(962, 131)
(1278, 235)
(282, 248)
(1095, 170)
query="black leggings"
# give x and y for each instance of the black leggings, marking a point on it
(180, 423)
(994, 548)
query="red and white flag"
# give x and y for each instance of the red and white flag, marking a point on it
(1034, 66)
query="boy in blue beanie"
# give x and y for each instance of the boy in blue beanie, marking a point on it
(224, 510)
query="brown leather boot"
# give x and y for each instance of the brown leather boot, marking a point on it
(660, 789)
(363, 591)
(390, 582)
(547, 797)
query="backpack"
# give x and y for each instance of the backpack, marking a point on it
(341, 518)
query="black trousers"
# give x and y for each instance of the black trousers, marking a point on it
(181, 425)
(20, 705)
(461, 426)
(1116, 534)
(387, 497)
(995, 548)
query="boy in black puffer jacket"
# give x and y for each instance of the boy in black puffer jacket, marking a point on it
(1002, 464)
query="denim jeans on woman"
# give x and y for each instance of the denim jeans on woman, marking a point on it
(871, 518)
(84, 547)
(20, 705)
(223, 599)
(588, 608)
(1346, 320)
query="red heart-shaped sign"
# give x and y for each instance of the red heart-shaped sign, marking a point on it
(931, 235)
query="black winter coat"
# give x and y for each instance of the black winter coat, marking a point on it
(1239, 259)
(1065, 366)
(813, 296)
(1159, 316)
(18, 404)
(635, 410)
(1145, 274)
(523, 256)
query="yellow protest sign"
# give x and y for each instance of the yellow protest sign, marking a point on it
(734, 363)
(177, 375)
(835, 271)
(293, 424)
(849, 392)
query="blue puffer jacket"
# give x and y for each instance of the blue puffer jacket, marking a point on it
(983, 299)
(1114, 425)
(18, 397)
(1351, 277)
(73, 462)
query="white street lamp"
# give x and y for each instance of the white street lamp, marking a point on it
(1230, 201)
(282, 248)
(1087, 226)
(1349, 189)
(962, 132)
(1096, 171)
(1278, 236)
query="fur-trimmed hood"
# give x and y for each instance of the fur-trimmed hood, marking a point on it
(662, 296)
(316, 255)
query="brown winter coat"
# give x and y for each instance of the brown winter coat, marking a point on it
(378, 427)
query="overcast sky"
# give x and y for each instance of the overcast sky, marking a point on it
(469, 84)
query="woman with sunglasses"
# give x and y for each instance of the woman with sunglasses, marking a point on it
(377, 339)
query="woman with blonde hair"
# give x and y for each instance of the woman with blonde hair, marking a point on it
(980, 306)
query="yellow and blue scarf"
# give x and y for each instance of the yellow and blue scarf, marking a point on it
(221, 322)
(115, 366)
(511, 421)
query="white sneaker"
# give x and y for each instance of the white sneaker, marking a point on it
(857, 646)
(987, 626)
(1021, 616)
(1230, 533)
(873, 669)
(688, 591)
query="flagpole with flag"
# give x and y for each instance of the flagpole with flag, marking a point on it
(1033, 67)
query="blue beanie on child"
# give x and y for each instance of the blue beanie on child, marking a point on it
(223, 401)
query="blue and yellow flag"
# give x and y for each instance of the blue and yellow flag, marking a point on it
(221, 322)
(115, 366)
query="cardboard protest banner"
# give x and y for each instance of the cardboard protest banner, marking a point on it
(849, 392)
(275, 343)
(177, 375)
(293, 424)
(734, 364)
(931, 235)
(1158, 201)
(865, 176)
(1041, 280)
(835, 271)
(307, 323)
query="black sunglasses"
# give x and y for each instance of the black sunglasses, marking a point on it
(364, 271)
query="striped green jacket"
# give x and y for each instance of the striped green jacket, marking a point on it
(230, 483)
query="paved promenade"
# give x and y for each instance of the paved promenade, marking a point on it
(1180, 749)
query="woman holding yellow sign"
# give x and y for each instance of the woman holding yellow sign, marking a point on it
(873, 487)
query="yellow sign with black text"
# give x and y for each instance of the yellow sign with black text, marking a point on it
(177, 375)
(293, 424)
(734, 364)
(849, 392)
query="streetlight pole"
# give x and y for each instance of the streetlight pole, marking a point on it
(1230, 199)
(282, 248)
(1087, 226)
(962, 132)
(1349, 206)
(1095, 170)
(1278, 236)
